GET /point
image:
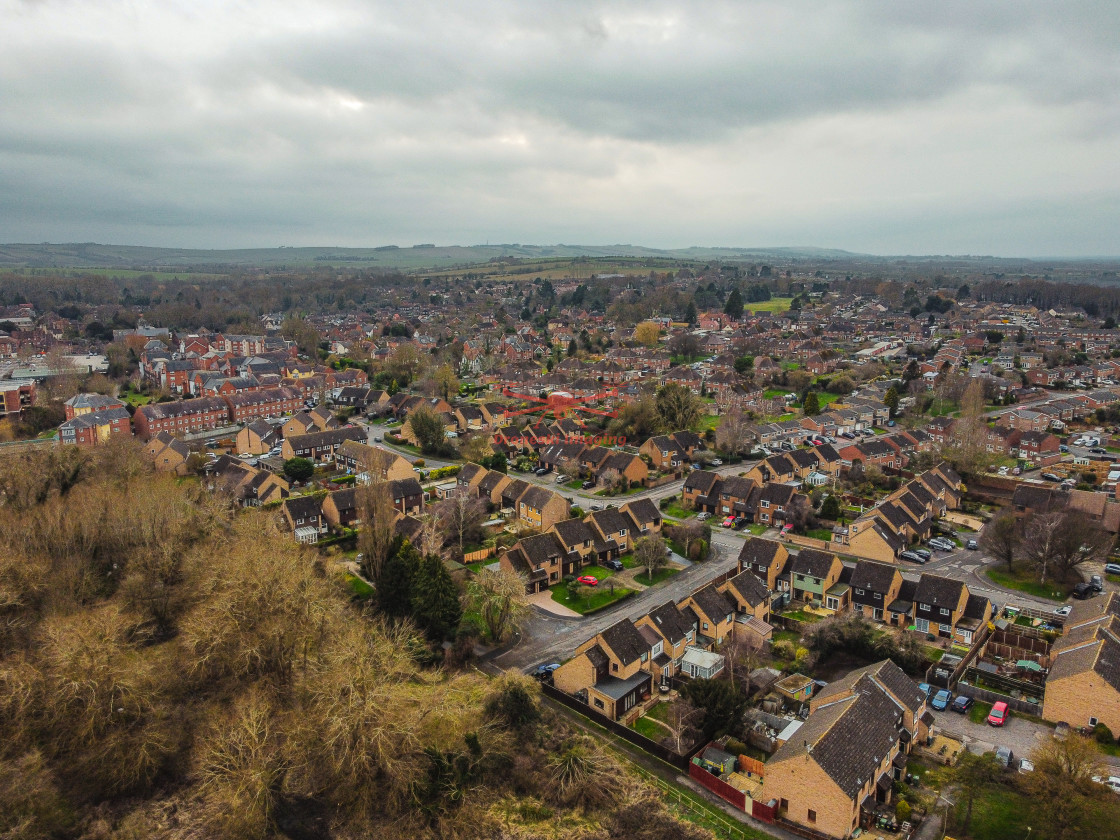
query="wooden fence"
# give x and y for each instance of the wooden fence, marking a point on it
(719, 824)
(1016, 704)
(806, 542)
(718, 786)
(481, 554)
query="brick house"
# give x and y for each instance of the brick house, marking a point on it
(715, 614)
(267, 402)
(257, 438)
(95, 427)
(812, 574)
(607, 671)
(180, 418)
(698, 490)
(320, 446)
(765, 559)
(541, 560)
(849, 751)
(1083, 686)
(407, 495)
(542, 508)
(875, 586)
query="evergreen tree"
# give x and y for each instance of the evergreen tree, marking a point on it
(890, 400)
(733, 308)
(812, 404)
(830, 508)
(394, 593)
(435, 600)
(690, 312)
(572, 348)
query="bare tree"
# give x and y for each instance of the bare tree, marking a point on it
(1001, 537)
(734, 433)
(967, 450)
(1062, 781)
(650, 552)
(683, 721)
(463, 514)
(499, 598)
(433, 532)
(376, 511)
(1058, 541)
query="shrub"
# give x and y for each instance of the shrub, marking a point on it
(419, 462)
(1103, 734)
(783, 649)
(902, 810)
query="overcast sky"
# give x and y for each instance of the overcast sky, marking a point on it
(883, 127)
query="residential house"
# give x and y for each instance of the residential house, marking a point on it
(813, 576)
(407, 495)
(321, 446)
(875, 586)
(765, 559)
(645, 514)
(542, 508)
(539, 559)
(257, 438)
(1083, 685)
(715, 614)
(180, 418)
(168, 453)
(607, 671)
(304, 515)
(95, 427)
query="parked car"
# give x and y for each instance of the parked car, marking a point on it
(1096, 582)
(1063, 448)
(998, 716)
(587, 485)
(913, 557)
(614, 563)
(1005, 756)
(1098, 450)
(588, 580)
(972, 545)
(925, 688)
(1049, 476)
(961, 704)
(702, 515)
(544, 672)
(786, 528)
(1083, 591)
(740, 521)
(717, 462)
(942, 544)
(1026, 765)
(1111, 782)
(1003, 470)
(923, 552)
(540, 471)
(562, 479)
(728, 522)
(1063, 611)
(1112, 568)
(942, 699)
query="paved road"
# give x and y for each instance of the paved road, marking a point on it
(552, 638)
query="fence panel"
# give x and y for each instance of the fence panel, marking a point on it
(718, 786)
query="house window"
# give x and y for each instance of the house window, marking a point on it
(705, 625)
(598, 703)
(859, 591)
(946, 628)
(1092, 721)
(878, 596)
(812, 816)
(614, 666)
(645, 657)
(921, 625)
(765, 504)
(832, 603)
(944, 611)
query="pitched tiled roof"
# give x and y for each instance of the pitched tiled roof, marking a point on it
(812, 562)
(876, 577)
(938, 591)
(624, 640)
(757, 551)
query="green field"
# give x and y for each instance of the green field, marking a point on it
(777, 304)
(1025, 581)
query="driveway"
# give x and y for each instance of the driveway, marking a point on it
(543, 601)
(1018, 733)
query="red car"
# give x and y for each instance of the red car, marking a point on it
(587, 580)
(998, 714)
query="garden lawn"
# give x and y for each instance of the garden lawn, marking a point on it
(574, 485)
(979, 711)
(774, 393)
(826, 397)
(358, 586)
(677, 512)
(651, 729)
(597, 597)
(628, 561)
(597, 572)
(820, 534)
(1024, 580)
(801, 615)
(661, 574)
(758, 529)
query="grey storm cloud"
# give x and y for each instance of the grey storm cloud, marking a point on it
(876, 126)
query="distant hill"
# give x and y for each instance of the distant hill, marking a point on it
(92, 255)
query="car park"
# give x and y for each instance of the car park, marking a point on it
(972, 545)
(588, 580)
(998, 715)
(913, 557)
(961, 704)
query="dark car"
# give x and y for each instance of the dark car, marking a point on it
(1098, 450)
(1083, 591)
(913, 557)
(544, 672)
(972, 545)
(587, 485)
(613, 563)
(923, 552)
(961, 704)
(1048, 476)
(1097, 584)
(1112, 568)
